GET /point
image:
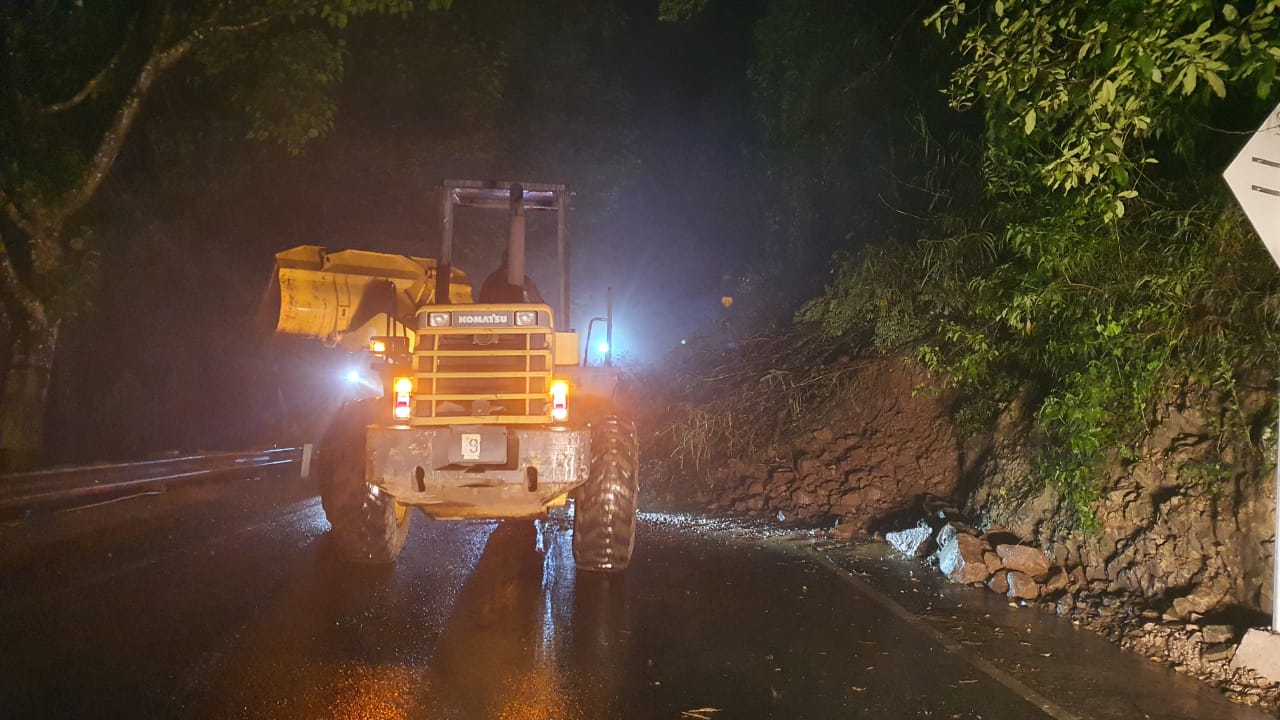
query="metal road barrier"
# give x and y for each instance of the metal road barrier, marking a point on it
(72, 486)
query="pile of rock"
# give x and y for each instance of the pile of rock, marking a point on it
(1000, 562)
(995, 559)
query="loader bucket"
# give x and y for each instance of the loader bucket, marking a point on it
(326, 295)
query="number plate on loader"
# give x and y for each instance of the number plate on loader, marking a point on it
(478, 444)
(471, 446)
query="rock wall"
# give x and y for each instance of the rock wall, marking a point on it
(1186, 526)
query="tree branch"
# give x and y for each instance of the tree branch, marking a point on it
(91, 88)
(112, 141)
(12, 287)
(15, 215)
(260, 22)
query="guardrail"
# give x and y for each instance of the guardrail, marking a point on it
(71, 486)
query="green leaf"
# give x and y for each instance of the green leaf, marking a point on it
(1146, 65)
(1029, 122)
(1230, 13)
(1265, 78)
(1215, 83)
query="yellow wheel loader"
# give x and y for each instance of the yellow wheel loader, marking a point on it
(487, 410)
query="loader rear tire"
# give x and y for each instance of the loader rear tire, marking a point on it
(604, 513)
(369, 526)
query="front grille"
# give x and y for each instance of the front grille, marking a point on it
(501, 375)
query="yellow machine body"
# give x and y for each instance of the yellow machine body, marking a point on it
(344, 298)
(487, 406)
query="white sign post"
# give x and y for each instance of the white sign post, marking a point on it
(1254, 177)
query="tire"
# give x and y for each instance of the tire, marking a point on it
(604, 512)
(368, 526)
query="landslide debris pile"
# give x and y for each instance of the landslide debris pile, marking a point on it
(777, 426)
(995, 559)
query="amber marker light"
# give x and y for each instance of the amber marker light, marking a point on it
(404, 388)
(559, 401)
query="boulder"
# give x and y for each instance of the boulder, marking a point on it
(912, 542)
(948, 532)
(999, 583)
(961, 559)
(993, 562)
(1024, 559)
(1021, 586)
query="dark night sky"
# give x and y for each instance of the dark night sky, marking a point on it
(184, 365)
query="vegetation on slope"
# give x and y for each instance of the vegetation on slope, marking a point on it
(1077, 246)
(1104, 262)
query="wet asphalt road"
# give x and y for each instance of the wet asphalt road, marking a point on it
(238, 609)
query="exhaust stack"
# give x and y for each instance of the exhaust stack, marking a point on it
(515, 245)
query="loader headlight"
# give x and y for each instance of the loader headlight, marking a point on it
(438, 319)
(525, 318)
(378, 347)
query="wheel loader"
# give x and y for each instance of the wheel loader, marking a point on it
(487, 409)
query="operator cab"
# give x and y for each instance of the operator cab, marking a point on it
(499, 289)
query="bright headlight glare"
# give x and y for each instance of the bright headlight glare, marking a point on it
(404, 385)
(438, 319)
(526, 317)
(402, 412)
(378, 346)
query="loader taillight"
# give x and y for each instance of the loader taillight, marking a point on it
(560, 401)
(404, 391)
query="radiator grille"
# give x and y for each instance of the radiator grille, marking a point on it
(497, 376)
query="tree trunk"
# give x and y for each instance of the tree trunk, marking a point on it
(26, 394)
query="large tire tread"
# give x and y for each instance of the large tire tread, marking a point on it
(604, 516)
(368, 526)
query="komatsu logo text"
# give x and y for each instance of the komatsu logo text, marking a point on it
(482, 319)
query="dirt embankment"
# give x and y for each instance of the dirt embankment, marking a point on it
(876, 451)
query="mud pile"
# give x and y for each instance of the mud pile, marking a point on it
(870, 454)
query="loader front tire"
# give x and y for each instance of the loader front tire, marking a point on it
(604, 514)
(368, 526)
